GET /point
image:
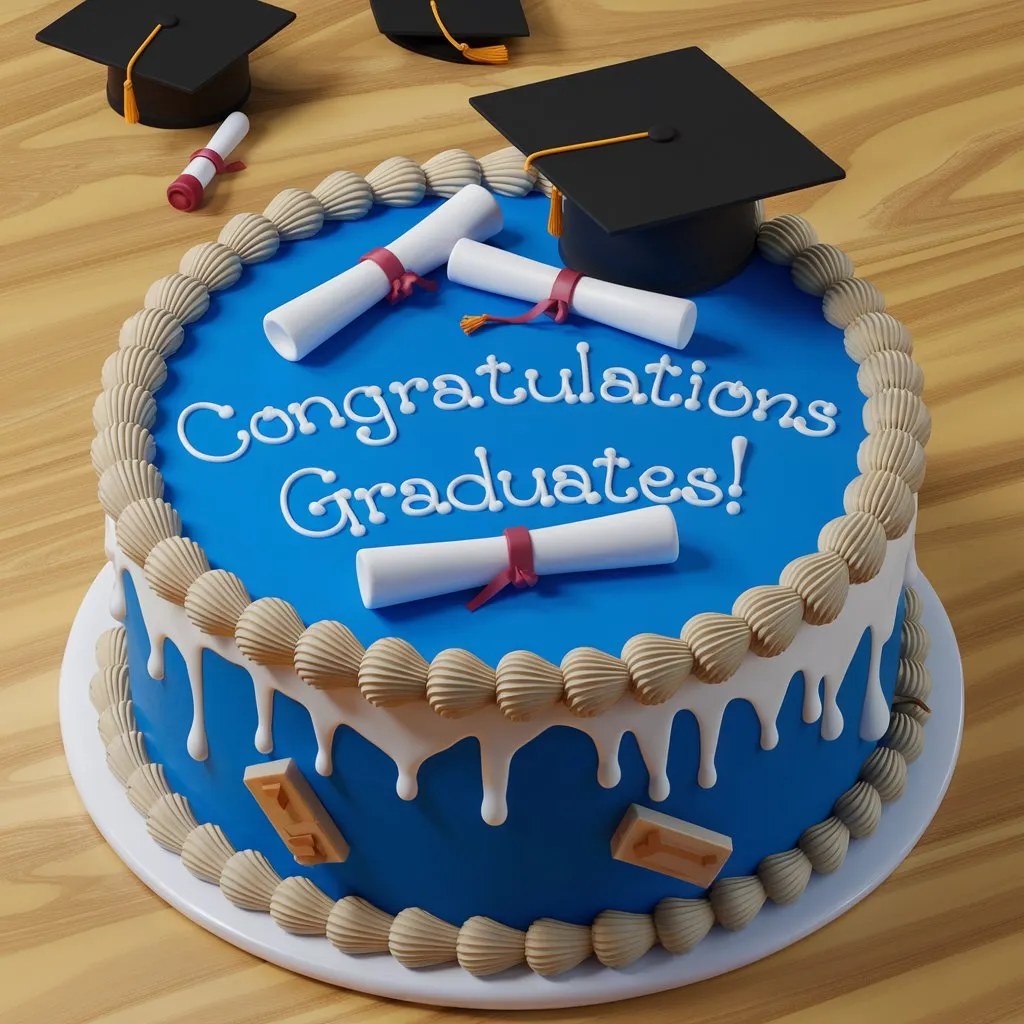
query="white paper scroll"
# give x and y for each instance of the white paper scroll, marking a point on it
(410, 572)
(185, 193)
(665, 319)
(299, 326)
(225, 140)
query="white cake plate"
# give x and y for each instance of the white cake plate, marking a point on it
(868, 864)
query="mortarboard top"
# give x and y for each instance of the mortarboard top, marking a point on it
(674, 212)
(479, 25)
(194, 71)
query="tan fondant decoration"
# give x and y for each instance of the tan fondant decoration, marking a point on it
(670, 846)
(292, 807)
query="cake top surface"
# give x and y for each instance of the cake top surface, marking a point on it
(762, 355)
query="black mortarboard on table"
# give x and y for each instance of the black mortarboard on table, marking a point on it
(193, 71)
(453, 30)
(673, 211)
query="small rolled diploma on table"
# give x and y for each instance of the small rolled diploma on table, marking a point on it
(411, 572)
(299, 326)
(186, 191)
(666, 319)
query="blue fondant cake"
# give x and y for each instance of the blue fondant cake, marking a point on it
(480, 763)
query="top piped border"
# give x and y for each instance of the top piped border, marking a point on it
(879, 503)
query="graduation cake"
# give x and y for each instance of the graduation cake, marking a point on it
(547, 598)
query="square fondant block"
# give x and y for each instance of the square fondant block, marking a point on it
(670, 846)
(296, 812)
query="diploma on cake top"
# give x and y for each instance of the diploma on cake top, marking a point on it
(299, 326)
(411, 572)
(656, 165)
(666, 319)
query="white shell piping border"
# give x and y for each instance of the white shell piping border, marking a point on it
(480, 945)
(269, 631)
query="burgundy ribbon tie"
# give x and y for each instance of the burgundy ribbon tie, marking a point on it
(218, 161)
(519, 572)
(557, 305)
(402, 280)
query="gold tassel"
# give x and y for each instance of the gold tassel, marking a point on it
(485, 54)
(478, 55)
(555, 213)
(469, 324)
(131, 106)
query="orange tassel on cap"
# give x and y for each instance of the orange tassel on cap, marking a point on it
(479, 54)
(555, 214)
(131, 107)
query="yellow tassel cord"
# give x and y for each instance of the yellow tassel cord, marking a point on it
(478, 55)
(555, 214)
(469, 324)
(131, 108)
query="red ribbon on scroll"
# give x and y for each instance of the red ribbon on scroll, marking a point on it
(519, 572)
(556, 305)
(402, 280)
(218, 161)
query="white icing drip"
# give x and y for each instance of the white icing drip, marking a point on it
(812, 699)
(831, 717)
(263, 689)
(609, 773)
(325, 746)
(912, 574)
(155, 661)
(413, 732)
(494, 774)
(709, 727)
(118, 609)
(196, 744)
(769, 735)
(654, 744)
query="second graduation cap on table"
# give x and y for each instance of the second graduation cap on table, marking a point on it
(667, 156)
(177, 63)
(454, 30)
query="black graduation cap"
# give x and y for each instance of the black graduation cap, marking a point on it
(453, 30)
(193, 70)
(673, 210)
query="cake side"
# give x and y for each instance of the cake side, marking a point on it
(549, 946)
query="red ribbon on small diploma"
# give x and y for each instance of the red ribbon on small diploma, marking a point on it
(218, 161)
(556, 305)
(402, 280)
(519, 572)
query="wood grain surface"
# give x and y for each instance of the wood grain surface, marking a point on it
(922, 102)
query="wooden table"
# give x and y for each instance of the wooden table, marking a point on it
(921, 102)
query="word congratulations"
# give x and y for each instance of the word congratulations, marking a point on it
(377, 411)
(371, 409)
(570, 484)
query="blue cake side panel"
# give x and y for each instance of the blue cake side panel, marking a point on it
(552, 857)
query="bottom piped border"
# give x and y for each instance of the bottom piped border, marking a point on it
(482, 946)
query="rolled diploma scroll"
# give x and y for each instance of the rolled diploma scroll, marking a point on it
(410, 572)
(665, 319)
(225, 140)
(299, 326)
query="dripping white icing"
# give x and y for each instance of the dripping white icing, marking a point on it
(812, 699)
(196, 743)
(413, 732)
